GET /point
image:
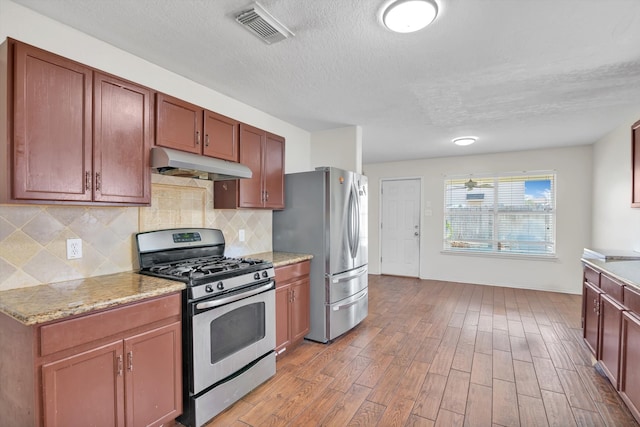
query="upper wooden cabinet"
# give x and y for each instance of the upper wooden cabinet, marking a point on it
(187, 127)
(74, 135)
(263, 153)
(635, 165)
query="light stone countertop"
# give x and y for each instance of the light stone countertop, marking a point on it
(44, 303)
(627, 271)
(280, 259)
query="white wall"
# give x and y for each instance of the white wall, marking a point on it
(573, 168)
(27, 26)
(340, 148)
(615, 224)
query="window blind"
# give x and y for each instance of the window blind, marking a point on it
(503, 214)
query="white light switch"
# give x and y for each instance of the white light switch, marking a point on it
(241, 235)
(74, 248)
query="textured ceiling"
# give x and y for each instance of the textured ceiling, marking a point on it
(519, 74)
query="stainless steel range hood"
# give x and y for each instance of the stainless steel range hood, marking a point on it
(179, 163)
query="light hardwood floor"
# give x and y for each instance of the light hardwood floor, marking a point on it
(444, 354)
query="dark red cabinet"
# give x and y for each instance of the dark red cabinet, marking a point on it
(630, 354)
(591, 316)
(292, 305)
(78, 136)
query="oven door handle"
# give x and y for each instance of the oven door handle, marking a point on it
(226, 300)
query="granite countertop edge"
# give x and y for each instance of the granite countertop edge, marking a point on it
(280, 259)
(626, 271)
(57, 301)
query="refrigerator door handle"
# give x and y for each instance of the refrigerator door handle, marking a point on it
(349, 304)
(353, 233)
(345, 277)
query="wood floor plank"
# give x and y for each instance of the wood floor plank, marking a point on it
(454, 398)
(520, 349)
(505, 404)
(587, 418)
(449, 419)
(385, 388)
(345, 378)
(503, 365)
(478, 408)
(416, 421)
(346, 407)
(428, 401)
(376, 369)
(368, 414)
(515, 328)
(537, 347)
(318, 409)
(482, 369)
(411, 383)
(526, 380)
(559, 356)
(532, 413)
(501, 340)
(485, 322)
(530, 325)
(576, 393)
(558, 410)
(547, 376)
(397, 412)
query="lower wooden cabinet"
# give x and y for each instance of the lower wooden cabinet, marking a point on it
(591, 316)
(292, 305)
(610, 329)
(629, 356)
(118, 367)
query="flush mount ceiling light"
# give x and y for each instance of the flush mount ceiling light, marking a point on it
(407, 16)
(465, 140)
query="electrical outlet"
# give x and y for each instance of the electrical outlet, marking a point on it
(241, 235)
(74, 248)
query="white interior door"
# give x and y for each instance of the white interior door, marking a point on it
(400, 227)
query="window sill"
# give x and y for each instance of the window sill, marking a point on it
(527, 257)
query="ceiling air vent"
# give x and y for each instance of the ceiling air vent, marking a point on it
(262, 24)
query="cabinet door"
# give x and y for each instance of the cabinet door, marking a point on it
(299, 309)
(591, 316)
(630, 354)
(52, 144)
(610, 329)
(282, 318)
(251, 146)
(635, 165)
(274, 172)
(122, 141)
(153, 364)
(86, 389)
(178, 124)
(220, 136)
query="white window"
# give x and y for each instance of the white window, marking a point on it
(503, 214)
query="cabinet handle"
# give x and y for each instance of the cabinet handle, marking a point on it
(87, 180)
(130, 361)
(98, 181)
(266, 196)
(119, 365)
(197, 137)
(206, 140)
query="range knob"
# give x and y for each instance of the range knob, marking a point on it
(220, 286)
(208, 288)
(256, 276)
(265, 274)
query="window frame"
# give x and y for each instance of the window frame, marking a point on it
(493, 246)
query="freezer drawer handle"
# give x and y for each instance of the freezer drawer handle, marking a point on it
(222, 301)
(340, 307)
(360, 272)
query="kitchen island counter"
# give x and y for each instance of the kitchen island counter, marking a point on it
(44, 303)
(280, 259)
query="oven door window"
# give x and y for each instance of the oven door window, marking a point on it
(236, 330)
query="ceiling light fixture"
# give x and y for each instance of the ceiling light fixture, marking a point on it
(465, 140)
(407, 16)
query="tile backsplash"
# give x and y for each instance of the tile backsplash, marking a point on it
(33, 237)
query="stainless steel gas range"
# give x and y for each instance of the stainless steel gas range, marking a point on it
(228, 316)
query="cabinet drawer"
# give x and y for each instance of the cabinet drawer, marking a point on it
(632, 299)
(71, 333)
(611, 287)
(592, 276)
(287, 273)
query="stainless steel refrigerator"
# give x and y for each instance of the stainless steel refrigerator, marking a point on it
(326, 216)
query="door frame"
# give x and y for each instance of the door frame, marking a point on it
(420, 220)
